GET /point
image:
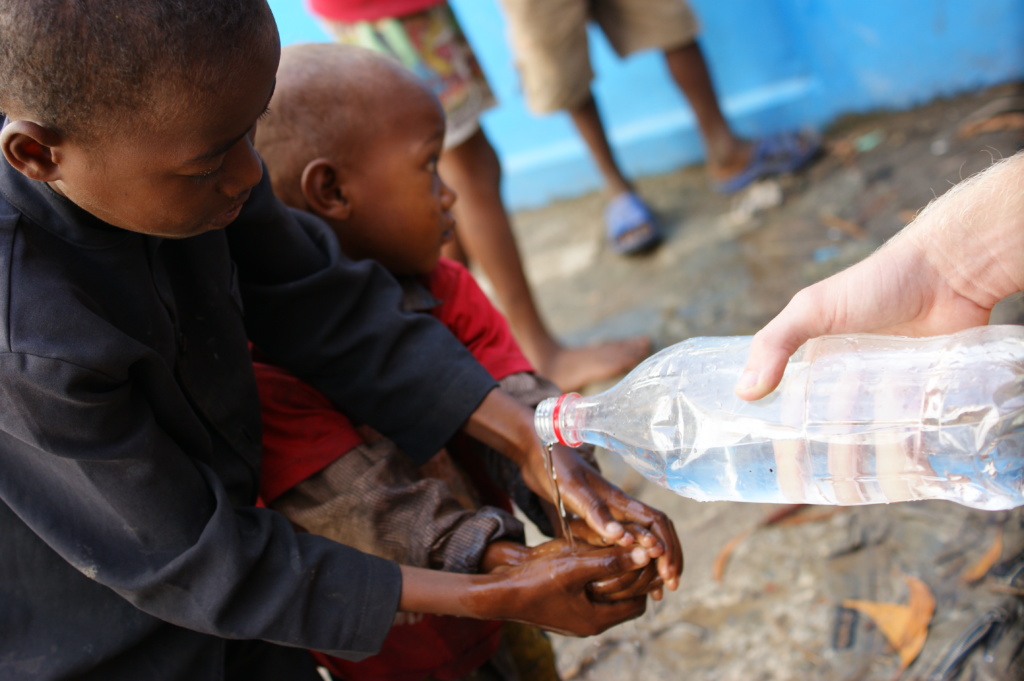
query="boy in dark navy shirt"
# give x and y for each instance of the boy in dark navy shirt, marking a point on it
(129, 429)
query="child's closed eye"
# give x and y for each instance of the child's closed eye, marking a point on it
(205, 175)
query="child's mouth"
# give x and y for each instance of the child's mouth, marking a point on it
(226, 218)
(449, 228)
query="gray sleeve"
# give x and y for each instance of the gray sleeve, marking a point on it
(375, 499)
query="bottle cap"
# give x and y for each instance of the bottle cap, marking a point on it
(557, 423)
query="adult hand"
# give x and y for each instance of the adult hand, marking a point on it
(943, 273)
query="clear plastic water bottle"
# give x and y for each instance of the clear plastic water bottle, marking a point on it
(857, 419)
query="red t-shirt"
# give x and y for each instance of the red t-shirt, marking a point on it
(351, 11)
(418, 645)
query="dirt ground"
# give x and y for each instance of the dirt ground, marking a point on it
(775, 611)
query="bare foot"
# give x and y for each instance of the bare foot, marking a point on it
(773, 155)
(730, 162)
(573, 368)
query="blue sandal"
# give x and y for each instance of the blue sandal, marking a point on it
(630, 226)
(773, 155)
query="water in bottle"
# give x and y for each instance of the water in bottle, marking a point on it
(857, 419)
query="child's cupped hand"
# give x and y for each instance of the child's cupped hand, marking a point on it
(643, 581)
(607, 512)
(629, 584)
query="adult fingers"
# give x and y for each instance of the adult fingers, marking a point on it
(802, 319)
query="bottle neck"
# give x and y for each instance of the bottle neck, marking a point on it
(554, 422)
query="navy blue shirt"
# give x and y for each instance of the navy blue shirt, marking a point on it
(130, 436)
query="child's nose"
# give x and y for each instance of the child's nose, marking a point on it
(244, 168)
(448, 195)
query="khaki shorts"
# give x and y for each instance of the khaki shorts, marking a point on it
(549, 39)
(431, 44)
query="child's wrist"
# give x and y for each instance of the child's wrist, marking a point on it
(491, 597)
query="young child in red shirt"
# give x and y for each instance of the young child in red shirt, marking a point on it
(425, 36)
(354, 138)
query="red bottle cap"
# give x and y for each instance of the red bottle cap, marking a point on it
(557, 422)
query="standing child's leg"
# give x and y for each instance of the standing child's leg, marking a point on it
(485, 235)
(671, 27)
(553, 58)
(629, 223)
(431, 44)
(726, 154)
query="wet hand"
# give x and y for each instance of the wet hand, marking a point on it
(646, 581)
(643, 582)
(553, 590)
(608, 511)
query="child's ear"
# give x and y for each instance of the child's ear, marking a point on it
(29, 147)
(325, 191)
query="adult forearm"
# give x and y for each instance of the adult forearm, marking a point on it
(944, 272)
(973, 235)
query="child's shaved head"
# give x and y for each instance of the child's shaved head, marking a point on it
(355, 138)
(329, 98)
(82, 66)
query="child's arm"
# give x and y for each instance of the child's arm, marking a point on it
(530, 389)
(468, 313)
(550, 591)
(373, 498)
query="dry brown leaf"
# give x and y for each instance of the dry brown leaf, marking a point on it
(842, 150)
(977, 572)
(780, 514)
(722, 559)
(808, 517)
(844, 225)
(1012, 120)
(776, 517)
(1002, 113)
(904, 626)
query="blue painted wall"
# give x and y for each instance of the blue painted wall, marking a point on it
(777, 64)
